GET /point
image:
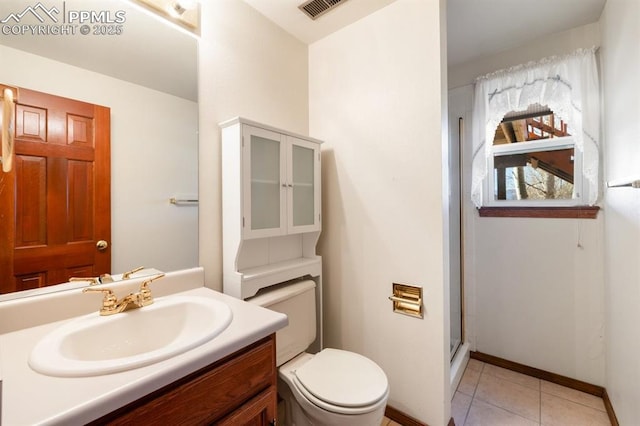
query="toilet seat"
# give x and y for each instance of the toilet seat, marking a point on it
(341, 382)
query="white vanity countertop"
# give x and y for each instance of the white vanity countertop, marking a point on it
(30, 398)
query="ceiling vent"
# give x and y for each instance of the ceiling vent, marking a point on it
(316, 8)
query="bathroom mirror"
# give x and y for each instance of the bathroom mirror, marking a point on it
(116, 54)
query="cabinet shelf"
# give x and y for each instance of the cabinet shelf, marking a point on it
(253, 279)
(266, 271)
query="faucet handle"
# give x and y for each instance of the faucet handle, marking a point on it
(90, 280)
(145, 291)
(109, 302)
(128, 274)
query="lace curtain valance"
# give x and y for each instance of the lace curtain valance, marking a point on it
(568, 85)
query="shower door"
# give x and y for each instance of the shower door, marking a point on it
(455, 234)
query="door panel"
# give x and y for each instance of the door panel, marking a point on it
(31, 123)
(30, 281)
(79, 131)
(58, 192)
(80, 210)
(31, 201)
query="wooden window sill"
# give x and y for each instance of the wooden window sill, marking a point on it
(578, 212)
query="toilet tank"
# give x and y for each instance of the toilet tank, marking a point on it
(298, 301)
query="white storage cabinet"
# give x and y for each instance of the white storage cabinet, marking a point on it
(271, 206)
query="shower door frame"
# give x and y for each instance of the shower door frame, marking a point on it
(459, 193)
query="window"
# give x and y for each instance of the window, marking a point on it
(534, 161)
(536, 133)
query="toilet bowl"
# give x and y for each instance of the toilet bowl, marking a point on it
(332, 387)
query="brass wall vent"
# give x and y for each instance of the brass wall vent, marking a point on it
(316, 8)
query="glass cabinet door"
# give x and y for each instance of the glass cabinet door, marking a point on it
(264, 201)
(304, 191)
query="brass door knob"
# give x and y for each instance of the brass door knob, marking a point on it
(102, 245)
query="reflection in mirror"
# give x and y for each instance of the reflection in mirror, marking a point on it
(80, 283)
(534, 157)
(146, 74)
(183, 13)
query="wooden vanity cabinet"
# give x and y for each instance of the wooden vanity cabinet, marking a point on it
(237, 390)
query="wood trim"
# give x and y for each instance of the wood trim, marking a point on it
(402, 418)
(578, 212)
(539, 374)
(607, 405)
(102, 189)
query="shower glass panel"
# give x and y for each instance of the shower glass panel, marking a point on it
(455, 235)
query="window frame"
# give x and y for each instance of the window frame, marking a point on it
(580, 184)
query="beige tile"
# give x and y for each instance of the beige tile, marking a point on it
(460, 407)
(385, 421)
(392, 423)
(474, 364)
(558, 411)
(512, 376)
(469, 380)
(483, 414)
(510, 396)
(573, 395)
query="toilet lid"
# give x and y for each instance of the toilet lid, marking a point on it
(343, 378)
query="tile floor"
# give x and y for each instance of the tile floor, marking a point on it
(493, 396)
(388, 422)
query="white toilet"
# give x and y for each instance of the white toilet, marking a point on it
(332, 387)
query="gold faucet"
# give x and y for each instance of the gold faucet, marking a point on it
(90, 280)
(102, 279)
(111, 305)
(128, 274)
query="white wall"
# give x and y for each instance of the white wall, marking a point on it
(248, 67)
(553, 44)
(375, 98)
(539, 294)
(620, 58)
(154, 147)
(536, 286)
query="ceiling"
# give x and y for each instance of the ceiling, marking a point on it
(148, 52)
(285, 13)
(478, 28)
(155, 55)
(475, 28)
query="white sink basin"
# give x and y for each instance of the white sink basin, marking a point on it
(92, 345)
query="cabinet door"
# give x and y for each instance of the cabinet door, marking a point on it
(238, 390)
(259, 411)
(264, 187)
(303, 185)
